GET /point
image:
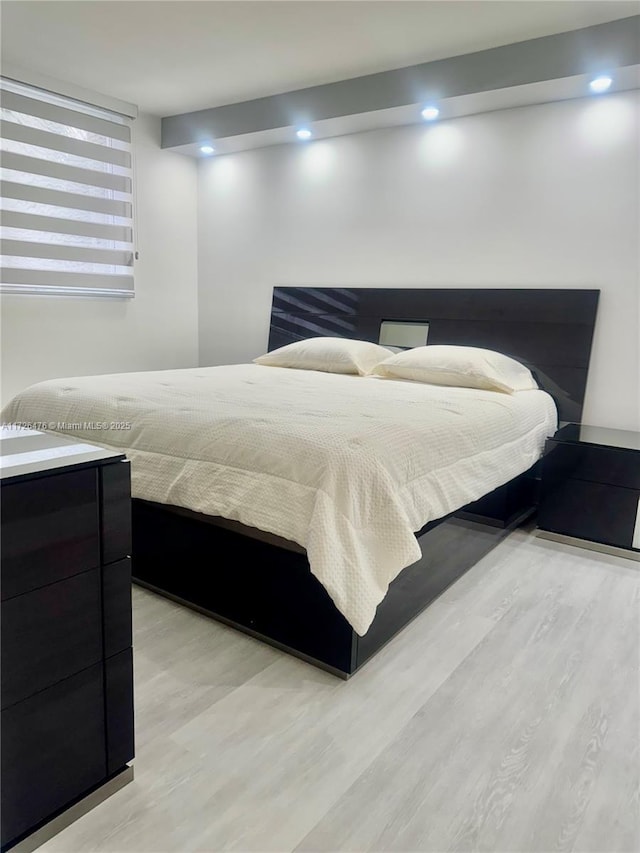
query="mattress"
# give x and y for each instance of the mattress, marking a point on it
(346, 466)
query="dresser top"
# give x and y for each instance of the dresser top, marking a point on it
(602, 436)
(27, 451)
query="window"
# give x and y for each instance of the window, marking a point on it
(65, 196)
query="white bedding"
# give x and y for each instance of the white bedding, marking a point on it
(346, 466)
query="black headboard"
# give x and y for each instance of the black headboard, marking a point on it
(550, 331)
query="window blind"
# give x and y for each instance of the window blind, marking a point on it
(66, 206)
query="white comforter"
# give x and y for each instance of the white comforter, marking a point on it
(346, 466)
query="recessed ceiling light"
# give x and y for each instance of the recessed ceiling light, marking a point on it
(304, 133)
(430, 113)
(207, 149)
(600, 84)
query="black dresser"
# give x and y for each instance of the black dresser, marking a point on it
(67, 674)
(591, 489)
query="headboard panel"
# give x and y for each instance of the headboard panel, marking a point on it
(551, 331)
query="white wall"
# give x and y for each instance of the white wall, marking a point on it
(44, 337)
(543, 196)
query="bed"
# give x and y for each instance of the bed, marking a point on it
(322, 512)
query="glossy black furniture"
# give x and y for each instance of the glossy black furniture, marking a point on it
(266, 587)
(268, 590)
(67, 677)
(548, 330)
(591, 488)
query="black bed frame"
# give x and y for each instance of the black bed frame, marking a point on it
(266, 588)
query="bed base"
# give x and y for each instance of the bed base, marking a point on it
(268, 591)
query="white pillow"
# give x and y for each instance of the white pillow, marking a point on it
(465, 367)
(331, 355)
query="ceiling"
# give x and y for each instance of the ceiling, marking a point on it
(175, 56)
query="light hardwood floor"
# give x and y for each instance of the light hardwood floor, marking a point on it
(505, 718)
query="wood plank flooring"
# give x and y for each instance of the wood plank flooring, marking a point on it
(505, 718)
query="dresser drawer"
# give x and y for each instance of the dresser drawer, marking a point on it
(118, 679)
(611, 465)
(115, 523)
(50, 530)
(49, 634)
(595, 511)
(53, 750)
(116, 607)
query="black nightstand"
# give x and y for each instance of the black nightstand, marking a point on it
(67, 678)
(591, 489)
